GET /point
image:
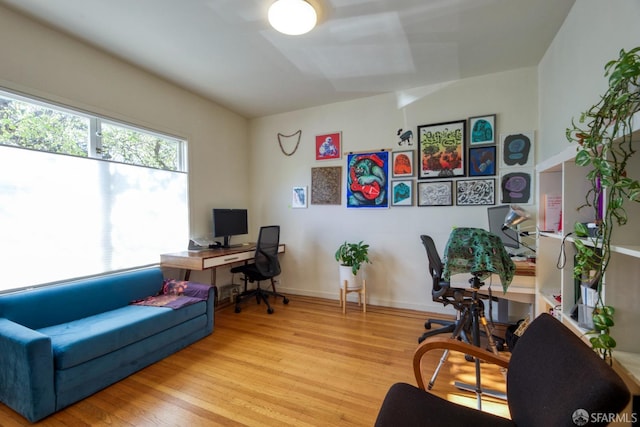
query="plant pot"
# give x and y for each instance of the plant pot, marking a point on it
(353, 282)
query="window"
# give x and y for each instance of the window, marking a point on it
(80, 195)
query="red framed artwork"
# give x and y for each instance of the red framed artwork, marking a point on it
(328, 146)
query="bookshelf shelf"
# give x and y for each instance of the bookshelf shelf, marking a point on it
(559, 175)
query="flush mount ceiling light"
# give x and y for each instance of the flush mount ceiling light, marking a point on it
(292, 17)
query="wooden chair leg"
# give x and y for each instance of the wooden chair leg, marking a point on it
(363, 292)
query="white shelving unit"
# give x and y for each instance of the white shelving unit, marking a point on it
(559, 175)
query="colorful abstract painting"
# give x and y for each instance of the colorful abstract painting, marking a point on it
(368, 180)
(442, 150)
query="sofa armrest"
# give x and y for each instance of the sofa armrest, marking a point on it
(26, 370)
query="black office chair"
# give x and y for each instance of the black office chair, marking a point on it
(265, 267)
(443, 293)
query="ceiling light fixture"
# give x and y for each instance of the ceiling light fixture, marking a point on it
(292, 17)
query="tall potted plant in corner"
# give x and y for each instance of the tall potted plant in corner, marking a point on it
(351, 257)
(605, 146)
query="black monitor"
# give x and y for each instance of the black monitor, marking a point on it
(229, 222)
(497, 215)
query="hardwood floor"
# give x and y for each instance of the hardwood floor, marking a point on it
(305, 365)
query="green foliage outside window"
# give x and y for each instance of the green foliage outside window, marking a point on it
(37, 127)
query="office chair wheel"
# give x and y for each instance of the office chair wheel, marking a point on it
(270, 310)
(427, 324)
(237, 310)
(285, 300)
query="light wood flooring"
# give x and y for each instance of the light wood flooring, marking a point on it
(305, 365)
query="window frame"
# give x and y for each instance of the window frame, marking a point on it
(94, 142)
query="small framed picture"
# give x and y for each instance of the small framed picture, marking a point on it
(402, 192)
(299, 197)
(476, 192)
(402, 163)
(435, 193)
(482, 130)
(482, 161)
(517, 150)
(516, 186)
(328, 146)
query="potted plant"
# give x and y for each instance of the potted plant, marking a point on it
(351, 256)
(605, 146)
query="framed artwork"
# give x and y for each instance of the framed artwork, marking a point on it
(299, 197)
(516, 186)
(476, 192)
(328, 146)
(482, 130)
(405, 137)
(435, 193)
(402, 192)
(325, 185)
(517, 150)
(368, 180)
(442, 149)
(482, 161)
(402, 163)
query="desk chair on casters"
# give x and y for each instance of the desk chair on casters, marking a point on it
(443, 293)
(265, 267)
(467, 304)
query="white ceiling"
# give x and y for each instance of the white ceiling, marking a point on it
(226, 51)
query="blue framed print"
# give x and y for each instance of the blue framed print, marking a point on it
(482, 161)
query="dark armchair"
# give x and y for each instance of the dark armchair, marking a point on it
(553, 378)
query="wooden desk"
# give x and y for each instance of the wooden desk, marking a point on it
(210, 259)
(525, 268)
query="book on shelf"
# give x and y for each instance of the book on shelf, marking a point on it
(552, 214)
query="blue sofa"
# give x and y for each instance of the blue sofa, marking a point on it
(62, 343)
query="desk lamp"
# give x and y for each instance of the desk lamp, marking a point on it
(515, 216)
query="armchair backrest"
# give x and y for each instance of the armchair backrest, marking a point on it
(266, 257)
(553, 373)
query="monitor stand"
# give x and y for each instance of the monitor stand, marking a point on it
(227, 243)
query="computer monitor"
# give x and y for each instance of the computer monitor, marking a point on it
(497, 215)
(229, 222)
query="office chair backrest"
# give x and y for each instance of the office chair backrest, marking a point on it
(435, 267)
(266, 257)
(553, 373)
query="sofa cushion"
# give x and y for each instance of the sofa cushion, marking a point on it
(56, 304)
(84, 339)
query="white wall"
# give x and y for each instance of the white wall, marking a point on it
(571, 74)
(398, 276)
(237, 163)
(41, 62)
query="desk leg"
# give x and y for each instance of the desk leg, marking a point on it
(187, 274)
(215, 288)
